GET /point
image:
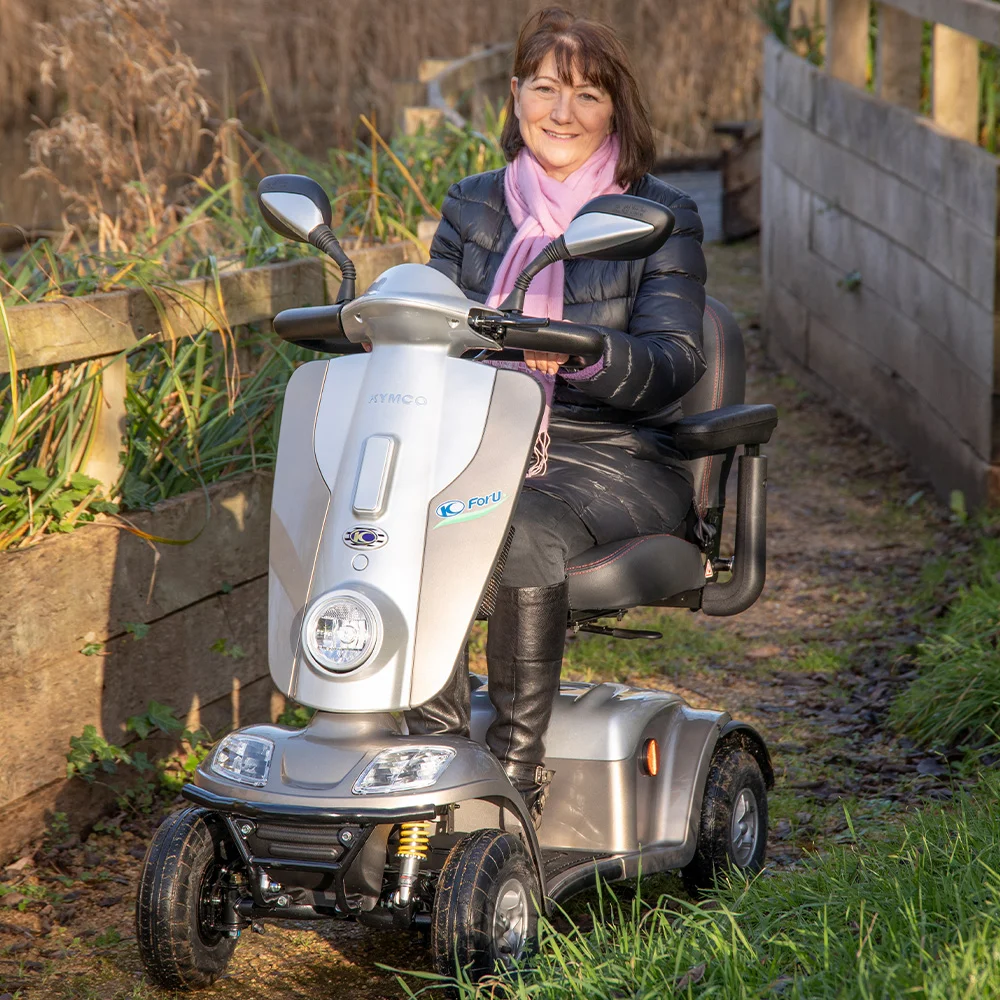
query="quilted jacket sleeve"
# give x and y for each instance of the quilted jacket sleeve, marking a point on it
(446, 247)
(660, 357)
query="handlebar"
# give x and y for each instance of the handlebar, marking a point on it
(319, 328)
(529, 333)
(316, 327)
(560, 337)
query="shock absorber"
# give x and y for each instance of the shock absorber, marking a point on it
(414, 843)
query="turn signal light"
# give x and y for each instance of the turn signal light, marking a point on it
(650, 761)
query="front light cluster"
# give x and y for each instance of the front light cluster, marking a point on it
(341, 631)
(403, 769)
(246, 759)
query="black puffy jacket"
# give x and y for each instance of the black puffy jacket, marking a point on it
(612, 457)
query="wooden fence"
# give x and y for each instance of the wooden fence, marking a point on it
(455, 90)
(879, 238)
(205, 652)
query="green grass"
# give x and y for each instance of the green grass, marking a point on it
(957, 696)
(913, 913)
(688, 645)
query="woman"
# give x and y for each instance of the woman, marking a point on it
(605, 465)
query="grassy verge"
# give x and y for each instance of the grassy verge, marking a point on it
(957, 696)
(913, 913)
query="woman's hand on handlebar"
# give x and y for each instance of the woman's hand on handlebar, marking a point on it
(543, 362)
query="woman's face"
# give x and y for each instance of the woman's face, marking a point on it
(562, 124)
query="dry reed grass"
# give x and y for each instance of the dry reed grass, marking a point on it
(307, 70)
(133, 120)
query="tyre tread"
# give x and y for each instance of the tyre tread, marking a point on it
(162, 913)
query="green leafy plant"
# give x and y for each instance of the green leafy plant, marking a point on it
(226, 648)
(138, 630)
(91, 756)
(294, 714)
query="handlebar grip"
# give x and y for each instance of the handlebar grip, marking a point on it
(315, 325)
(560, 337)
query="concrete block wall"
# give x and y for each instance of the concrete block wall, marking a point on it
(879, 252)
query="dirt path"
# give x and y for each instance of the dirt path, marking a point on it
(814, 664)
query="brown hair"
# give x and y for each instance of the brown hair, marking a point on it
(601, 59)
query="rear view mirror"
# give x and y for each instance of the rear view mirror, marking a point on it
(293, 205)
(610, 227)
(618, 227)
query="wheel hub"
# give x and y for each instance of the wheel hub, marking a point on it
(510, 921)
(744, 827)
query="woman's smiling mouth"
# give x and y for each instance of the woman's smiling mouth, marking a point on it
(559, 136)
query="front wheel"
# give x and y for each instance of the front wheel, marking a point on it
(179, 905)
(733, 832)
(486, 910)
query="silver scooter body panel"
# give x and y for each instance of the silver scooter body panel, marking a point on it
(601, 803)
(421, 445)
(601, 799)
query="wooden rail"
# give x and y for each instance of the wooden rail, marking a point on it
(106, 324)
(959, 27)
(456, 82)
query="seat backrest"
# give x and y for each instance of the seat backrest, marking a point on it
(723, 384)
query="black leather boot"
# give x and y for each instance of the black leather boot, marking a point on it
(447, 713)
(524, 651)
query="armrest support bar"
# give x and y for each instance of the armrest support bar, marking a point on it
(750, 550)
(719, 430)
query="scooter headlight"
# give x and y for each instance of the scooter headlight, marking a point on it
(403, 769)
(341, 631)
(246, 759)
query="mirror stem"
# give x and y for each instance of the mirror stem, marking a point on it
(556, 250)
(323, 239)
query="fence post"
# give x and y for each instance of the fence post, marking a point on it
(955, 89)
(807, 16)
(104, 461)
(898, 57)
(847, 40)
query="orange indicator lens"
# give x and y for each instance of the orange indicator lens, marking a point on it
(651, 758)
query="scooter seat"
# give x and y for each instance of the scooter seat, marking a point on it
(647, 569)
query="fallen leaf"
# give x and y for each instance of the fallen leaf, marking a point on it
(20, 864)
(763, 652)
(693, 975)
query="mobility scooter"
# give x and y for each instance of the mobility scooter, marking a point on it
(394, 490)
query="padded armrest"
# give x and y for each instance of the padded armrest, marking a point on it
(719, 430)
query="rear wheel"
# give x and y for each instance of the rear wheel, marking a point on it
(485, 913)
(180, 902)
(733, 832)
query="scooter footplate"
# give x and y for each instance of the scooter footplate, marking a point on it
(556, 862)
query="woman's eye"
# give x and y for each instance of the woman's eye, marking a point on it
(589, 97)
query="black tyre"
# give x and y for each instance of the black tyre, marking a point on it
(179, 902)
(733, 833)
(485, 913)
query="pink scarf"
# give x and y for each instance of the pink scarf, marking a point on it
(542, 208)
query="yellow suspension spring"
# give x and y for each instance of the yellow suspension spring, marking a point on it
(414, 839)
